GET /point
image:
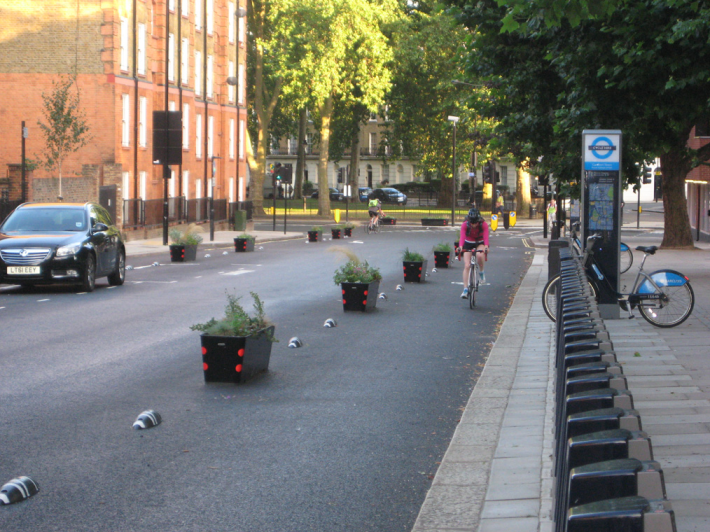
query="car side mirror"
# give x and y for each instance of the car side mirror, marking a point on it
(99, 227)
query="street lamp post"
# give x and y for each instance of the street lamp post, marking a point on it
(453, 119)
(239, 13)
(214, 171)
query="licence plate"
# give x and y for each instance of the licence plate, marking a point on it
(23, 270)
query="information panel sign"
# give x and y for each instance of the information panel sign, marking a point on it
(601, 209)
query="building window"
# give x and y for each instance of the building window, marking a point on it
(125, 120)
(171, 105)
(142, 184)
(185, 125)
(386, 173)
(198, 188)
(240, 96)
(210, 16)
(171, 185)
(231, 138)
(124, 44)
(210, 64)
(373, 117)
(126, 185)
(198, 15)
(309, 143)
(210, 136)
(171, 5)
(184, 63)
(171, 57)
(186, 184)
(241, 140)
(504, 175)
(141, 49)
(198, 136)
(242, 28)
(230, 17)
(230, 88)
(142, 125)
(373, 143)
(198, 73)
(185, 7)
(231, 190)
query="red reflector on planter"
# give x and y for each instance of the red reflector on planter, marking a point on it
(238, 368)
(420, 268)
(204, 350)
(365, 292)
(240, 352)
(343, 292)
(205, 367)
(364, 302)
(344, 302)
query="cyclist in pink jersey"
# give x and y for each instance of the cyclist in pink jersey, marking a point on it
(474, 235)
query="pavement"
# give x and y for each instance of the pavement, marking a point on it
(496, 474)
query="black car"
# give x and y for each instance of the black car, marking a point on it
(364, 193)
(47, 243)
(389, 195)
(334, 193)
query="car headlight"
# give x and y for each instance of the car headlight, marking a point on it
(71, 249)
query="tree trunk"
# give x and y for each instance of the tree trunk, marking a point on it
(522, 191)
(301, 152)
(676, 223)
(326, 112)
(353, 177)
(445, 192)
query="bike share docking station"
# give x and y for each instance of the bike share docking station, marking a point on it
(601, 208)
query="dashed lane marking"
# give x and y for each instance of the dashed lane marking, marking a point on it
(152, 282)
(42, 300)
(238, 272)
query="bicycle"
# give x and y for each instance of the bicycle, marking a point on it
(664, 298)
(626, 257)
(373, 226)
(473, 277)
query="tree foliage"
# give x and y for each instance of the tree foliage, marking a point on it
(643, 69)
(66, 130)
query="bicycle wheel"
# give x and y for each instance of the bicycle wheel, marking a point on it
(549, 296)
(472, 287)
(377, 226)
(674, 309)
(626, 258)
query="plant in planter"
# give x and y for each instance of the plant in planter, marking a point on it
(348, 228)
(238, 346)
(184, 244)
(442, 254)
(414, 266)
(359, 282)
(244, 242)
(315, 234)
(336, 231)
(435, 221)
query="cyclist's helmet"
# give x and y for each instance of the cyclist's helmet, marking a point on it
(474, 215)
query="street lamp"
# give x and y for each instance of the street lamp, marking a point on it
(214, 171)
(453, 119)
(239, 13)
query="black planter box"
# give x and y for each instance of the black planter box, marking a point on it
(182, 253)
(360, 296)
(348, 231)
(414, 272)
(315, 236)
(243, 244)
(435, 221)
(235, 359)
(388, 221)
(335, 234)
(441, 259)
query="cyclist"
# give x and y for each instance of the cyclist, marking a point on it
(474, 235)
(374, 207)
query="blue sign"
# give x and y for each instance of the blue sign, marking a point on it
(602, 152)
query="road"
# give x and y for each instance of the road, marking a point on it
(343, 434)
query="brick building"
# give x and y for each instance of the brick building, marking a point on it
(698, 185)
(117, 49)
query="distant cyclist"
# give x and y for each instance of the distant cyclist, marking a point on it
(474, 235)
(374, 207)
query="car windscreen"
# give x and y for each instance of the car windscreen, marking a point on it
(40, 219)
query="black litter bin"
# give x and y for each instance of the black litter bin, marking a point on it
(533, 210)
(506, 219)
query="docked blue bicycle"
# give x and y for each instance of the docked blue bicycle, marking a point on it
(664, 298)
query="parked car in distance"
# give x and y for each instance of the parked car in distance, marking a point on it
(335, 194)
(389, 195)
(48, 243)
(364, 193)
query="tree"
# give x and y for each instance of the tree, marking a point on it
(66, 130)
(642, 70)
(341, 46)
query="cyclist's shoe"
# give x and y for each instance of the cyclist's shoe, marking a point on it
(464, 294)
(482, 277)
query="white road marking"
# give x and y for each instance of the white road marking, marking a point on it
(357, 242)
(153, 282)
(238, 272)
(42, 300)
(252, 265)
(142, 267)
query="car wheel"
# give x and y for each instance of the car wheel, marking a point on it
(88, 281)
(119, 274)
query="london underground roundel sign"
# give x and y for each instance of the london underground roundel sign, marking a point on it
(601, 152)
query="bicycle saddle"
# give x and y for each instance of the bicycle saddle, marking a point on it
(647, 249)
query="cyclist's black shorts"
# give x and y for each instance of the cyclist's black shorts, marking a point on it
(374, 213)
(468, 246)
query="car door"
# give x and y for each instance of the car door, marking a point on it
(99, 239)
(112, 244)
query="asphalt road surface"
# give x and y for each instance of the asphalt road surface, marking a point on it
(343, 434)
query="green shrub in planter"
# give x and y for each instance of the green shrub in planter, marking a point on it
(359, 282)
(414, 266)
(315, 234)
(184, 244)
(442, 254)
